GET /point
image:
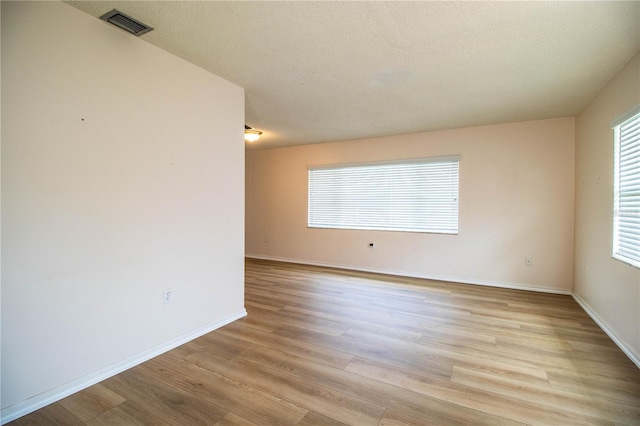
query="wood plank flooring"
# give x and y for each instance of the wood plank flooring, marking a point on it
(330, 347)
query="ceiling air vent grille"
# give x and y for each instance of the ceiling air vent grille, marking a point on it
(125, 22)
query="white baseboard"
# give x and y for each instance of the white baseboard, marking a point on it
(36, 402)
(409, 275)
(628, 351)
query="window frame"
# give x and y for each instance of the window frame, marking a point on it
(630, 256)
(386, 168)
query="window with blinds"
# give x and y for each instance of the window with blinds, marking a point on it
(413, 196)
(626, 218)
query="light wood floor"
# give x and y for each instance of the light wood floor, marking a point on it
(330, 347)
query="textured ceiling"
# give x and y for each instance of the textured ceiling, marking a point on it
(325, 71)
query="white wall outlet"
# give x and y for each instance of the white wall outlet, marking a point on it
(528, 261)
(167, 296)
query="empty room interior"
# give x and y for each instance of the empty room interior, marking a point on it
(438, 223)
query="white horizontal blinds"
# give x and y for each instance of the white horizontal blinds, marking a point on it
(408, 196)
(626, 245)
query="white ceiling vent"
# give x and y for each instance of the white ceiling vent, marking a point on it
(125, 22)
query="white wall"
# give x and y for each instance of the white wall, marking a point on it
(516, 201)
(122, 175)
(608, 289)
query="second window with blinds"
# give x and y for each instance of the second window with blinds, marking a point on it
(626, 190)
(418, 195)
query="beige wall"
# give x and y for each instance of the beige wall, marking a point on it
(608, 289)
(122, 175)
(516, 201)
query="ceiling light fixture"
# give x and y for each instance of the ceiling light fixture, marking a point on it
(251, 134)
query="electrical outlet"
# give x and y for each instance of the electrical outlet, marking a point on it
(167, 296)
(528, 261)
